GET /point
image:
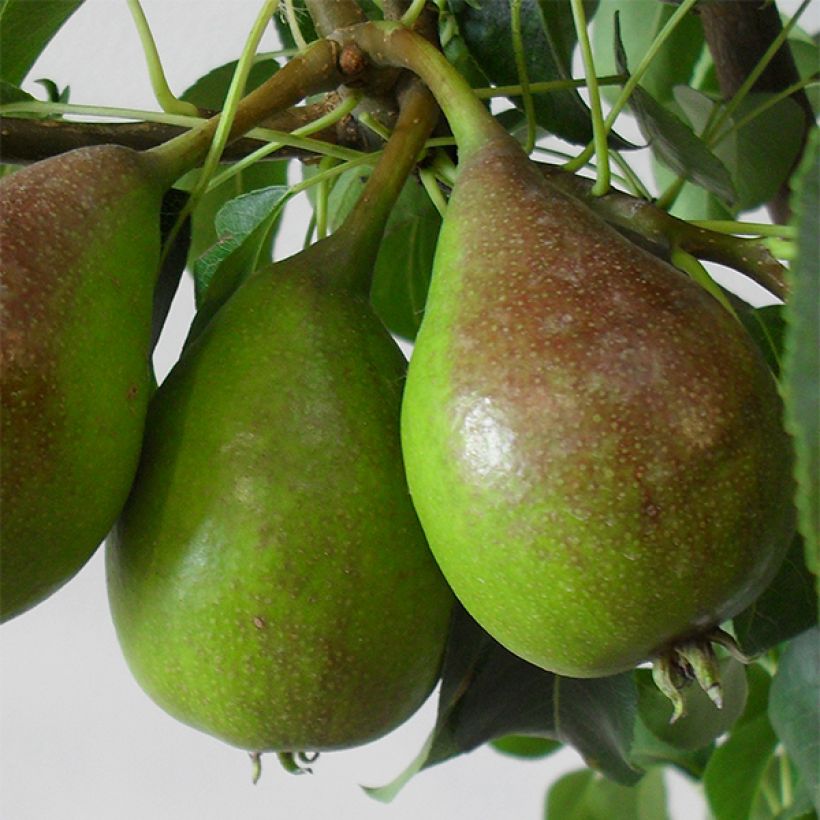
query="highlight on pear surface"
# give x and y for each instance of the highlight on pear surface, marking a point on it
(600, 458)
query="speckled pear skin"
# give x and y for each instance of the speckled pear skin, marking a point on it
(79, 250)
(592, 443)
(269, 580)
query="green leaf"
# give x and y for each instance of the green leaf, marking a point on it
(405, 262)
(26, 28)
(304, 20)
(585, 795)
(524, 746)
(801, 365)
(641, 21)
(767, 327)
(672, 141)
(759, 155)
(786, 608)
(487, 693)
(548, 33)
(649, 750)
(210, 90)
(733, 775)
(693, 202)
(703, 722)
(242, 225)
(794, 707)
(265, 174)
(10, 93)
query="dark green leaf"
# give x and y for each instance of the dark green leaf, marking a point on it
(402, 273)
(209, 91)
(10, 93)
(693, 202)
(649, 750)
(766, 326)
(794, 707)
(304, 20)
(801, 365)
(786, 608)
(524, 746)
(242, 225)
(549, 36)
(672, 141)
(487, 692)
(734, 772)
(759, 155)
(585, 795)
(758, 682)
(596, 716)
(703, 722)
(173, 263)
(641, 20)
(26, 28)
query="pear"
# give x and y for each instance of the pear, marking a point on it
(269, 580)
(593, 443)
(80, 252)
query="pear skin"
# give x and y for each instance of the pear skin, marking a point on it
(593, 444)
(79, 246)
(269, 580)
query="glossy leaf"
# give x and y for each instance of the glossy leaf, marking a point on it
(524, 746)
(10, 93)
(672, 141)
(801, 364)
(649, 750)
(641, 20)
(26, 28)
(487, 692)
(786, 608)
(766, 326)
(733, 775)
(794, 707)
(585, 795)
(549, 35)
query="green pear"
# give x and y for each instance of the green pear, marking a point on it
(269, 580)
(593, 443)
(79, 257)
(80, 242)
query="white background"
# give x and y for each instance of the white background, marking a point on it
(80, 740)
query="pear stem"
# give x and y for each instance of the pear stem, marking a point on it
(390, 44)
(308, 73)
(365, 224)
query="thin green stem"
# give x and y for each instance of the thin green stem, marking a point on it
(322, 194)
(773, 100)
(781, 248)
(667, 199)
(745, 228)
(165, 97)
(430, 182)
(544, 87)
(38, 107)
(311, 228)
(341, 110)
(293, 25)
(412, 14)
(444, 167)
(786, 792)
(599, 129)
(637, 75)
(369, 121)
(523, 76)
(755, 73)
(694, 268)
(634, 182)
